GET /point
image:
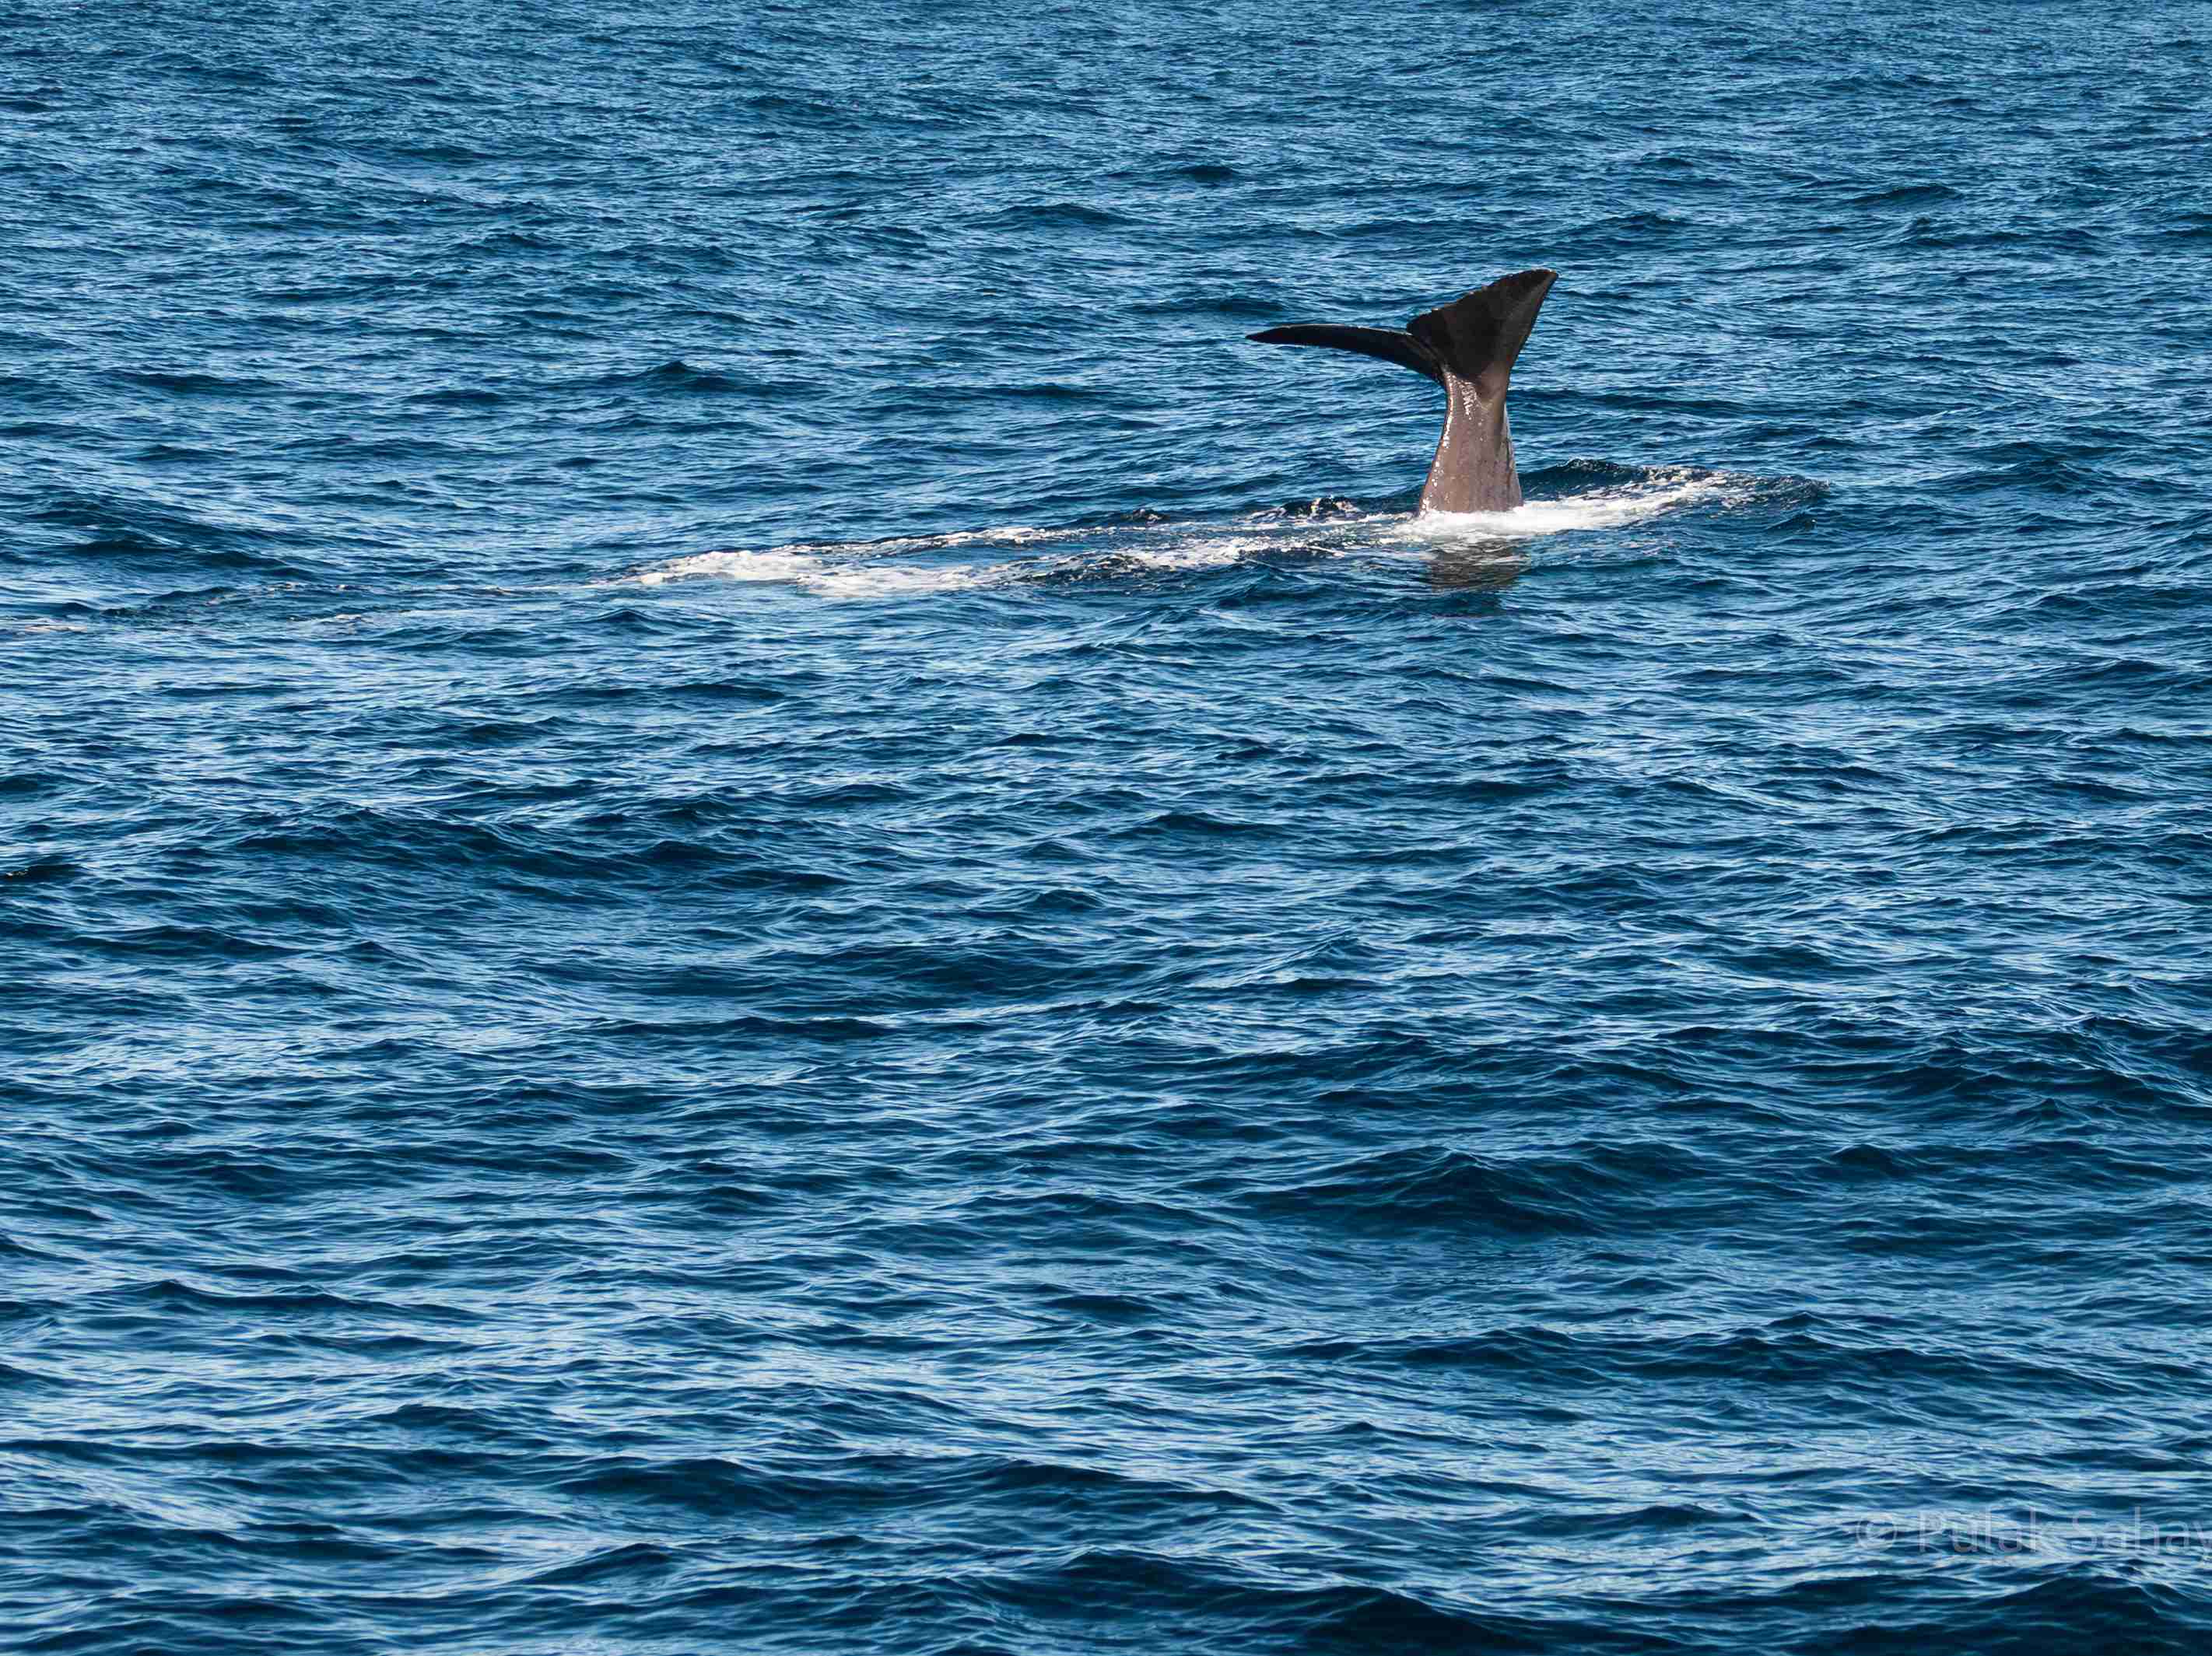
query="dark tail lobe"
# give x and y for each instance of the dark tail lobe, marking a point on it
(1474, 338)
(1478, 336)
(1391, 344)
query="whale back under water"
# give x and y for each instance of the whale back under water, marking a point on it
(1468, 347)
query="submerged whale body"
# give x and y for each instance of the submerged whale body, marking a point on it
(1467, 347)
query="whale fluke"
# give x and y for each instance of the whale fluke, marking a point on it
(1391, 344)
(1468, 347)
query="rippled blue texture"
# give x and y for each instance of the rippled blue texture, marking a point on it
(750, 903)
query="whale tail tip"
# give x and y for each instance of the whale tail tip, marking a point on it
(1479, 335)
(1475, 337)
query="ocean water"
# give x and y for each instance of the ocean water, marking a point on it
(749, 902)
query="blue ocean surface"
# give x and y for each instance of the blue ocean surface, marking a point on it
(750, 901)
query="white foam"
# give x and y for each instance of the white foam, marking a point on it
(1202, 552)
(1604, 509)
(861, 572)
(787, 565)
(845, 579)
(852, 569)
(882, 581)
(880, 569)
(1016, 535)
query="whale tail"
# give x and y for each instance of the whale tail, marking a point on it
(1391, 344)
(1468, 347)
(1476, 337)
(1479, 336)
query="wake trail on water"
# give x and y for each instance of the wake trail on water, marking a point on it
(1323, 528)
(1662, 490)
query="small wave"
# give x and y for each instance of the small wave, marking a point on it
(681, 377)
(1906, 195)
(1205, 172)
(149, 533)
(47, 870)
(457, 397)
(1072, 214)
(184, 382)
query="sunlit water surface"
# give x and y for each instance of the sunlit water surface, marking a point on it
(750, 903)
